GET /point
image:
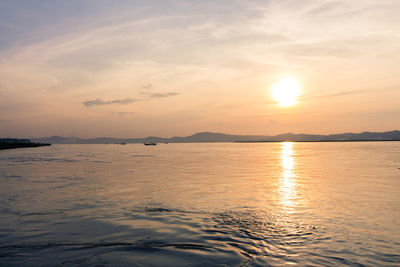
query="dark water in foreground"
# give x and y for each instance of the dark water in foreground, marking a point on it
(201, 205)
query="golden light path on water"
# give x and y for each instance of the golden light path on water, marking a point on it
(287, 184)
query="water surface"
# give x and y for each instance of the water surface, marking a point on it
(212, 204)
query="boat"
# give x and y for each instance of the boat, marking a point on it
(150, 144)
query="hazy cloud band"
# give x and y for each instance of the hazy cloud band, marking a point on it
(99, 102)
(160, 95)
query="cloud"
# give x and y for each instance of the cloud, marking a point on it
(99, 102)
(159, 95)
(125, 113)
(147, 86)
(312, 96)
(147, 91)
(315, 95)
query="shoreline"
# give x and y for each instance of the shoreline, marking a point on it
(4, 146)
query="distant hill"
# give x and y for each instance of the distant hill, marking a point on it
(220, 137)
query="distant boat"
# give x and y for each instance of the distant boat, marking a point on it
(150, 144)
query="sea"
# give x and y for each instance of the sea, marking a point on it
(203, 204)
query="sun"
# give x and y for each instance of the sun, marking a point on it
(286, 91)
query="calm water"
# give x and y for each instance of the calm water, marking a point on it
(201, 204)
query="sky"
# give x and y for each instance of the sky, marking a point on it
(91, 68)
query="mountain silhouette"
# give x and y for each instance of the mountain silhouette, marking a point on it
(221, 137)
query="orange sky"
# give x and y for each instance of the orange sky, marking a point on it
(165, 68)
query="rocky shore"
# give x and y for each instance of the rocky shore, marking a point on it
(11, 143)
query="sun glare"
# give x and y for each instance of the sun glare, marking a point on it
(286, 91)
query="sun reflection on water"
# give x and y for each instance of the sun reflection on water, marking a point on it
(287, 184)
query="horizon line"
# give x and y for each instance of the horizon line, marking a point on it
(204, 132)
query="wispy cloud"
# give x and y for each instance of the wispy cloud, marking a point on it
(312, 96)
(160, 95)
(316, 95)
(125, 113)
(147, 86)
(147, 91)
(99, 102)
